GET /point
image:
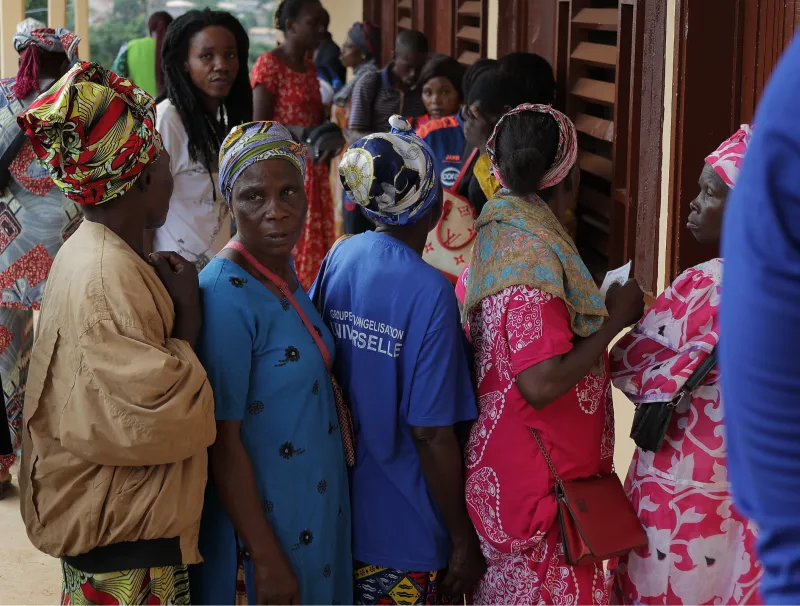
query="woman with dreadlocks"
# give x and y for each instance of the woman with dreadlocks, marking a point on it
(208, 93)
(285, 89)
(35, 218)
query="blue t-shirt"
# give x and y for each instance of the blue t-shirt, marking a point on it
(445, 137)
(402, 362)
(760, 332)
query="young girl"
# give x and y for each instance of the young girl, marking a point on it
(205, 73)
(285, 89)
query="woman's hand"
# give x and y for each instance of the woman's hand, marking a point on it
(625, 304)
(274, 580)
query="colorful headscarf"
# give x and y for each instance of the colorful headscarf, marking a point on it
(391, 175)
(254, 142)
(51, 40)
(367, 38)
(567, 152)
(27, 26)
(95, 132)
(727, 159)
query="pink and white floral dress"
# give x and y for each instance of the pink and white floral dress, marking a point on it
(701, 550)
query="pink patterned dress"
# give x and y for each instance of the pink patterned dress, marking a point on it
(509, 487)
(701, 550)
(298, 102)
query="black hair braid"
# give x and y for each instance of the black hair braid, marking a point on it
(204, 137)
(289, 9)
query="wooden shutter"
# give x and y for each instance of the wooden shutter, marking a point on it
(471, 18)
(589, 40)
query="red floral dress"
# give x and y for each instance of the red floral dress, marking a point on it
(701, 550)
(509, 487)
(298, 102)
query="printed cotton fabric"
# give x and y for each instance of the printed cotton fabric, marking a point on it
(164, 585)
(391, 175)
(509, 486)
(701, 549)
(728, 157)
(94, 131)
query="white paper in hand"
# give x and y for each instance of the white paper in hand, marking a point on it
(616, 276)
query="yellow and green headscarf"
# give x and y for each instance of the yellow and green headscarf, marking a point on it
(95, 132)
(254, 142)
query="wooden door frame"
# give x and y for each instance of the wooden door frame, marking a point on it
(706, 111)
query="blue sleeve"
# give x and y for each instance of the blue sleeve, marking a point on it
(441, 391)
(760, 329)
(225, 348)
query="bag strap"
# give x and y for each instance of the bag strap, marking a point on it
(697, 377)
(464, 170)
(546, 456)
(8, 158)
(284, 288)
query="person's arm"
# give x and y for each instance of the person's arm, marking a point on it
(263, 103)
(547, 380)
(137, 400)
(442, 397)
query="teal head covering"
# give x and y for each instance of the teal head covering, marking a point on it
(391, 175)
(254, 142)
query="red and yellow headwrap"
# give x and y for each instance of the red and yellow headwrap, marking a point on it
(95, 132)
(727, 159)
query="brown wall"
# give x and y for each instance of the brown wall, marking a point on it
(725, 52)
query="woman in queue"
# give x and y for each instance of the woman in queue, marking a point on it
(361, 52)
(37, 217)
(540, 331)
(285, 89)
(701, 549)
(277, 503)
(395, 315)
(208, 93)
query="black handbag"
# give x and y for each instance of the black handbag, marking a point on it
(651, 421)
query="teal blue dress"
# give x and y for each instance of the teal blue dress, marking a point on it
(267, 372)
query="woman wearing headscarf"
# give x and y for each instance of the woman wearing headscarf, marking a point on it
(119, 412)
(409, 516)
(361, 52)
(35, 216)
(277, 502)
(701, 549)
(140, 60)
(540, 330)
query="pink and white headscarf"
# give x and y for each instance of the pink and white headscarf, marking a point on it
(727, 159)
(567, 152)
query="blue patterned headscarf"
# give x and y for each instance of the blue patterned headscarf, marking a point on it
(57, 40)
(254, 142)
(391, 175)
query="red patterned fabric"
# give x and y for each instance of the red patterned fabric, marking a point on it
(701, 550)
(509, 487)
(298, 102)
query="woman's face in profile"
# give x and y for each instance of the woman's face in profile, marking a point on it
(269, 203)
(705, 220)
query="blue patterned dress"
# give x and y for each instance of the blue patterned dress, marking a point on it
(267, 372)
(35, 220)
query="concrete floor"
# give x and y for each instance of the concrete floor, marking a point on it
(27, 576)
